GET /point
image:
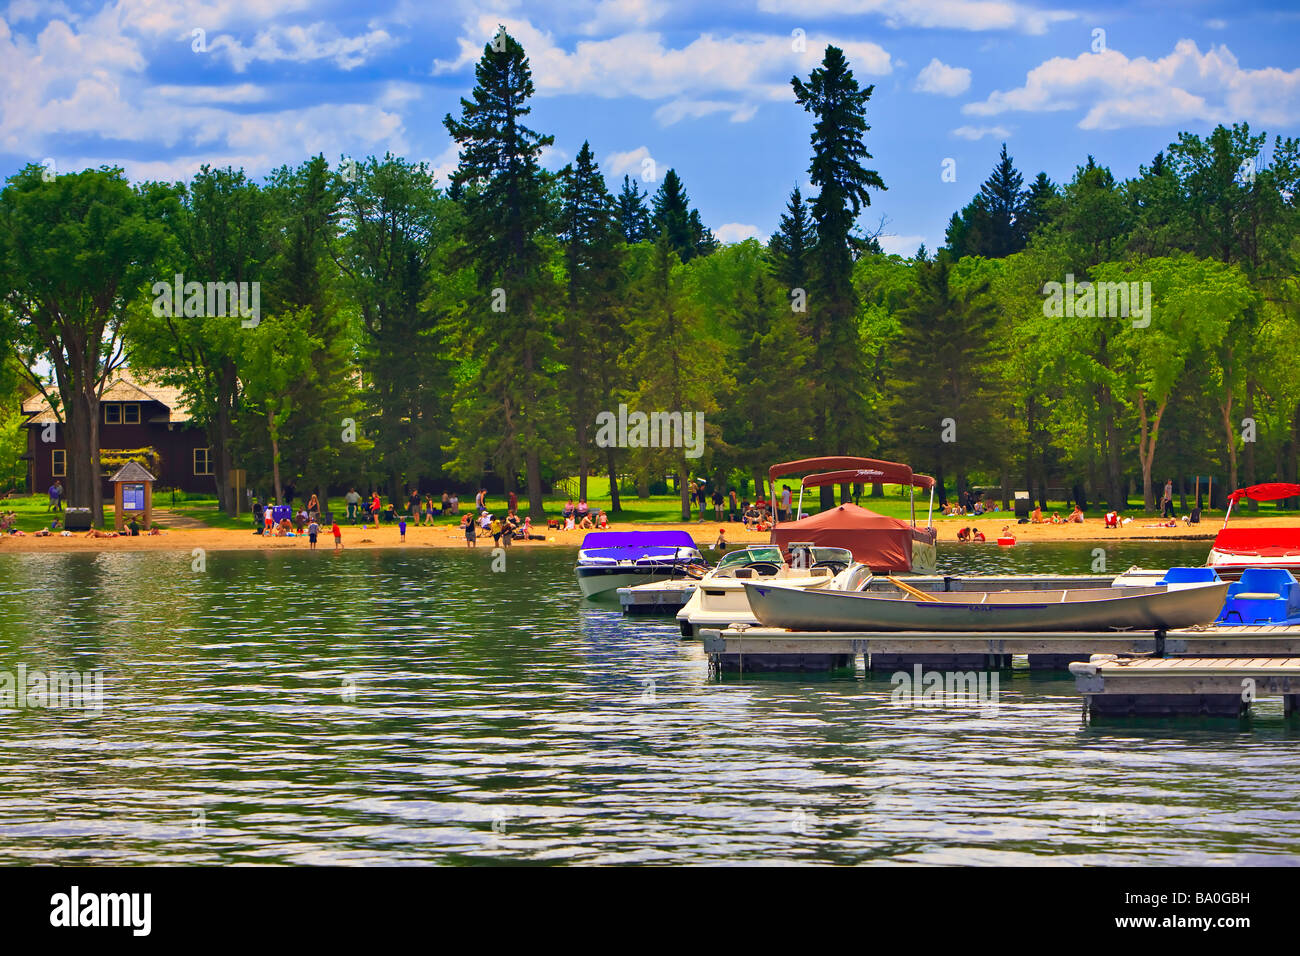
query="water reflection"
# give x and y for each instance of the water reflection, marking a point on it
(415, 707)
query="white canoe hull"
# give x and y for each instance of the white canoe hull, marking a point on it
(1097, 609)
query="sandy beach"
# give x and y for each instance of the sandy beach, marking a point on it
(214, 539)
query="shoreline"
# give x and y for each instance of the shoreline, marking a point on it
(705, 533)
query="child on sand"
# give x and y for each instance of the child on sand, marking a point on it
(401, 527)
(467, 524)
(313, 530)
(338, 536)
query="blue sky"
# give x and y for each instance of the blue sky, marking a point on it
(703, 88)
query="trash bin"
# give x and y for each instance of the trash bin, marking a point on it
(77, 519)
(1022, 504)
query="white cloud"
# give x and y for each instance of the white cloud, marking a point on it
(979, 132)
(552, 157)
(609, 16)
(680, 109)
(736, 232)
(630, 162)
(296, 44)
(87, 80)
(1217, 24)
(638, 64)
(243, 93)
(1185, 86)
(943, 14)
(895, 245)
(938, 77)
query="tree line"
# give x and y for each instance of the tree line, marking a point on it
(410, 334)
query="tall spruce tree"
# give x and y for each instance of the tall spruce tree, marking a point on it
(997, 222)
(790, 251)
(833, 96)
(508, 409)
(632, 213)
(672, 215)
(945, 369)
(592, 337)
(396, 222)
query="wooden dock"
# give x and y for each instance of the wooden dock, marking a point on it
(777, 649)
(1224, 686)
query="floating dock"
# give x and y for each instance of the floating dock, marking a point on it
(668, 597)
(777, 649)
(1222, 687)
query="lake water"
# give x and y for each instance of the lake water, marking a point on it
(416, 707)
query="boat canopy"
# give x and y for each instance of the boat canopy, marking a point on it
(865, 476)
(878, 541)
(849, 469)
(637, 539)
(1273, 491)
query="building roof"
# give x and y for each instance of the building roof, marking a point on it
(123, 386)
(133, 471)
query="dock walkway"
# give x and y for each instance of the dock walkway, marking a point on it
(1224, 686)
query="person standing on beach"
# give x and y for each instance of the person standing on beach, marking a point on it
(467, 523)
(354, 501)
(513, 503)
(338, 536)
(401, 527)
(313, 530)
(1167, 501)
(785, 502)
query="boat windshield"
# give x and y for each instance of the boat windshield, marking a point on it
(832, 554)
(738, 559)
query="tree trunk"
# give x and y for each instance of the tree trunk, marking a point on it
(614, 506)
(1116, 489)
(275, 460)
(533, 466)
(1231, 438)
(1248, 448)
(83, 454)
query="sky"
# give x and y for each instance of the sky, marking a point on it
(162, 87)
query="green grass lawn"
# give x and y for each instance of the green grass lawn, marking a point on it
(33, 513)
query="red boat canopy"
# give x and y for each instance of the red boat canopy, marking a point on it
(880, 542)
(1273, 491)
(848, 470)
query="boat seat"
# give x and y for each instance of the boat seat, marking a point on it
(1262, 596)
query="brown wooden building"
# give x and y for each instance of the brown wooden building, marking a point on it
(137, 419)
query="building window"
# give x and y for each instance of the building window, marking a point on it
(203, 461)
(59, 462)
(122, 413)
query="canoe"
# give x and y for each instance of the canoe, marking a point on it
(1074, 609)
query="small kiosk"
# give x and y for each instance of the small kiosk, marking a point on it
(132, 495)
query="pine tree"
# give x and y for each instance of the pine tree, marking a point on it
(632, 213)
(510, 405)
(791, 246)
(832, 95)
(945, 368)
(672, 215)
(592, 336)
(1004, 201)
(1039, 199)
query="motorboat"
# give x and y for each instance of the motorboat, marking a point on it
(1179, 600)
(1236, 549)
(609, 560)
(719, 596)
